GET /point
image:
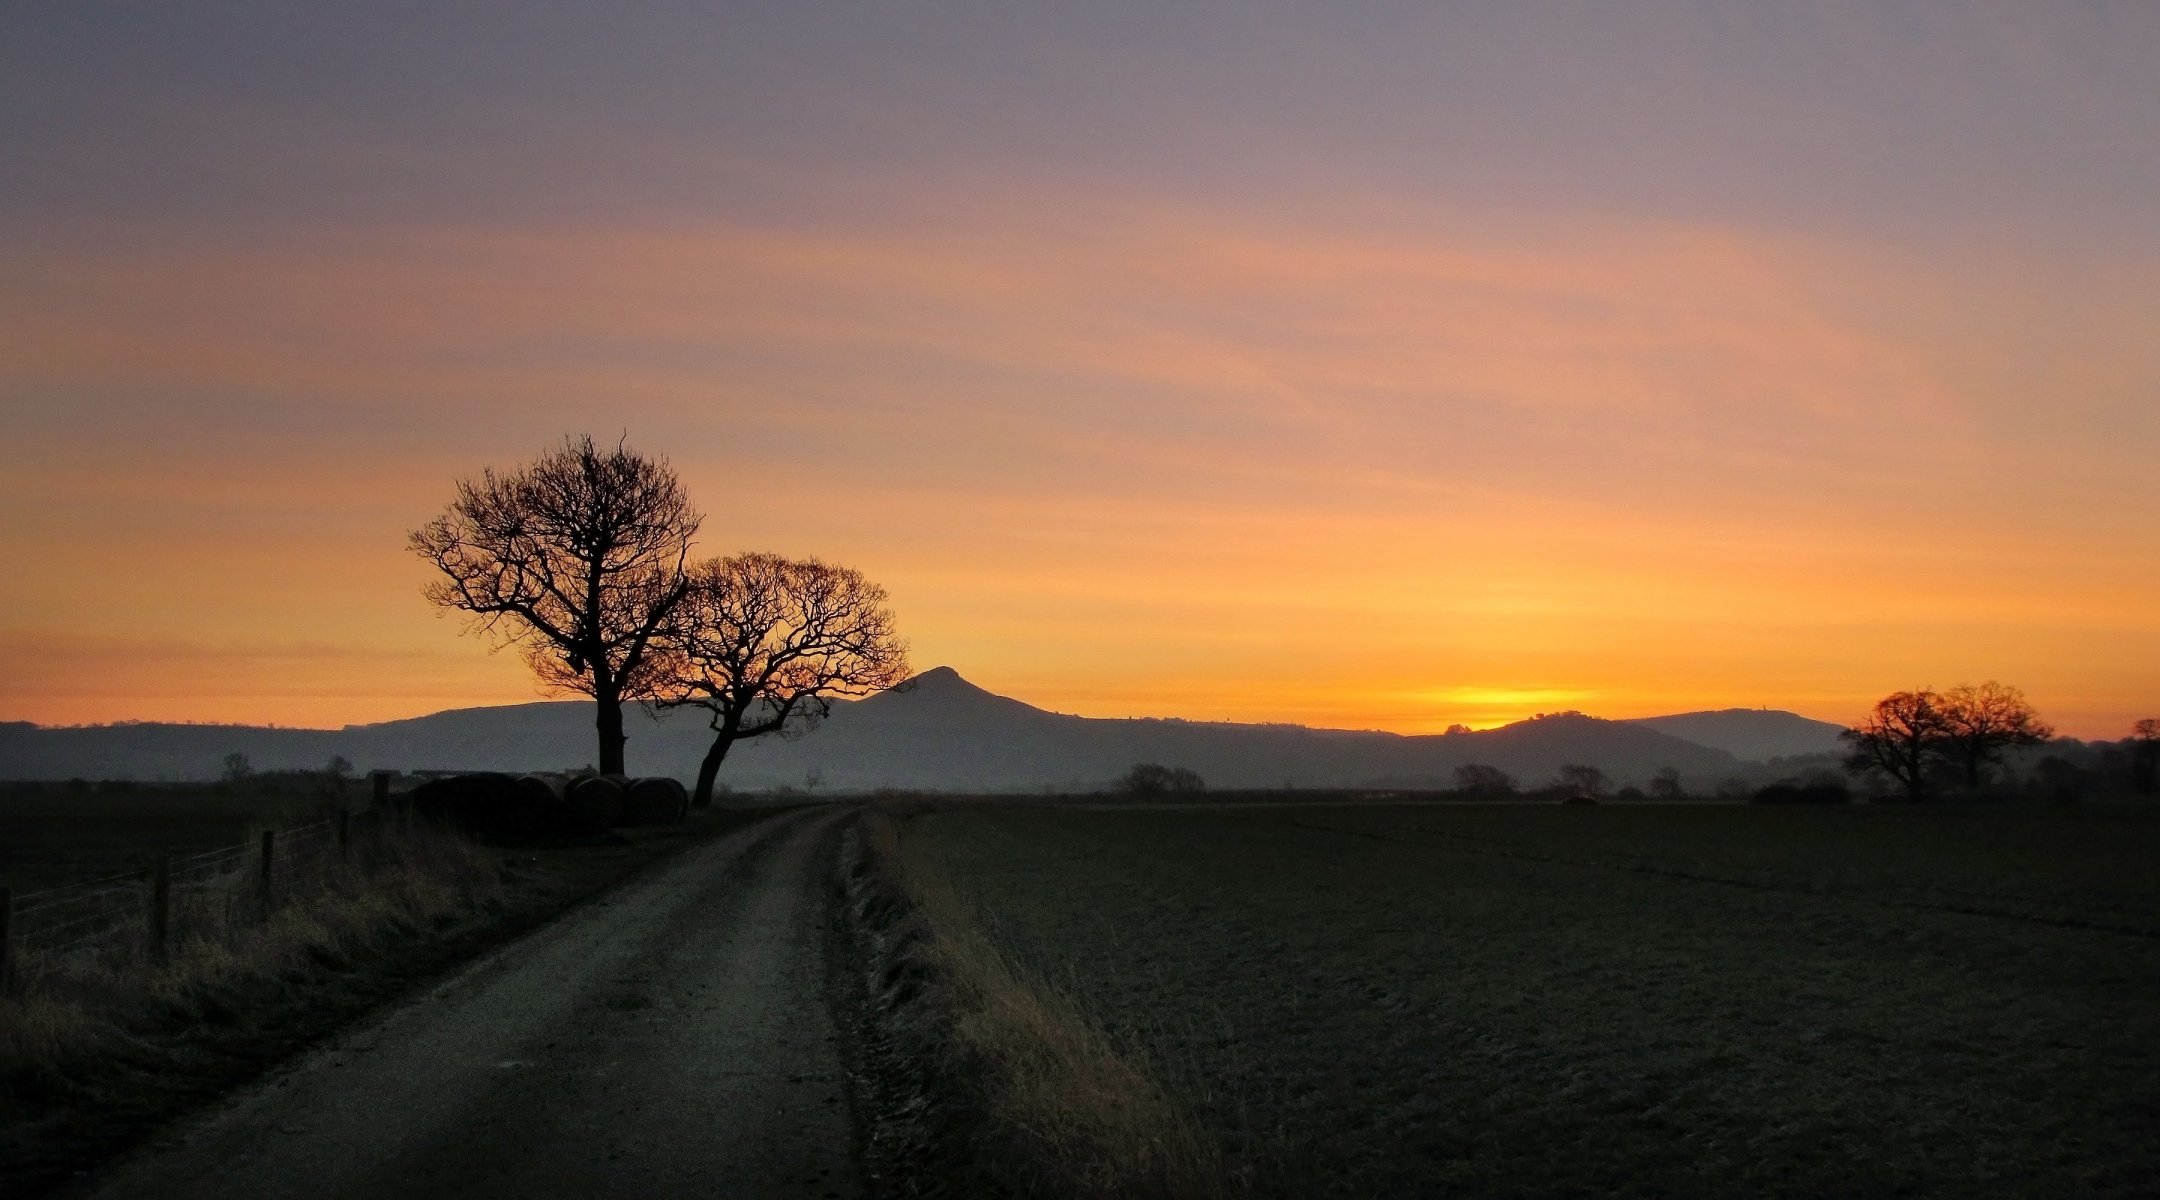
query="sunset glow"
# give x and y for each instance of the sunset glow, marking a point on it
(1769, 365)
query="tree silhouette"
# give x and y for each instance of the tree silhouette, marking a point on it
(2145, 754)
(1979, 723)
(1478, 779)
(1666, 785)
(1900, 738)
(763, 643)
(576, 559)
(1588, 782)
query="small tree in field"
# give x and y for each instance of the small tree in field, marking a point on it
(576, 559)
(1666, 785)
(1900, 738)
(764, 643)
(1587, 782)
(1979, 723)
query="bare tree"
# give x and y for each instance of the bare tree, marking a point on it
(1982, 722)
(763, 644)
(577, 559)
(1588, 782)
(1899, 738)
(1666, 784)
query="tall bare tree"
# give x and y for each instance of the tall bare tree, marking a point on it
(1900, 738)
(1982, 722)
(578, 560)
(764, 643)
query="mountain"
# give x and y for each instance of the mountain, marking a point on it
(935, 732)
(1751, 734)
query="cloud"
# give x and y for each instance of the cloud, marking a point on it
(1143, 449)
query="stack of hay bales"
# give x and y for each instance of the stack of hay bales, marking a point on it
(654, 801)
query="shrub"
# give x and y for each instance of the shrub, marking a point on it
(2062, 780)
(1154, 779)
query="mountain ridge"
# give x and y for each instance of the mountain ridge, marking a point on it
(937, 731)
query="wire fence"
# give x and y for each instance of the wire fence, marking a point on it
(147, 909)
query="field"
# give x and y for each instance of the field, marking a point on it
(53, 834)
(1357, 1000)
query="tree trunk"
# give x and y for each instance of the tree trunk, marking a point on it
(709, 769)
(1916, 774)
(609, 722)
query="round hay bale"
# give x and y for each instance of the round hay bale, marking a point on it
(654, 801)
(592, 804)
(539, 804)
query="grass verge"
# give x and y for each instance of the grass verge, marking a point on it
(983, 1078)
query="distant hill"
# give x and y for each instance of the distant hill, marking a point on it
(1751, 734)
(937, 732)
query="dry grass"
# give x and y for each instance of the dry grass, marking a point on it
(1085, 1114)
(89, 1028)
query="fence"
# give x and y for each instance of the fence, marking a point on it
(148, 909)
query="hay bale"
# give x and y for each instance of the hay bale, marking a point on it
(540, 804)
(592, 803)
(655, 801)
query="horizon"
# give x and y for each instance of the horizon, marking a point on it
(1388, 369)
(954, 673)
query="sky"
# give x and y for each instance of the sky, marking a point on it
(1368, 365)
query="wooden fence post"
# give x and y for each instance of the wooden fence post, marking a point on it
(7, 944)
(262, 879)
(344, 835)
(160, 907)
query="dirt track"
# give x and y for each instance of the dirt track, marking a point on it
(670, 1039)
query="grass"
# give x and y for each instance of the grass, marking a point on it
(99, 1025)
(1076, 1113)
(1638, 1001)
(100, 1045)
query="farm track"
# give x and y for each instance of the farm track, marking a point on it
(672, 1038)
(1474, 845)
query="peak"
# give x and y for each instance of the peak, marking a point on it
(938, 680)
(941, 691)
(937, 683)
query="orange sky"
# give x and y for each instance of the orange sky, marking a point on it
(1120, 441)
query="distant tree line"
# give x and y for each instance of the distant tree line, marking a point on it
(1924, 742)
